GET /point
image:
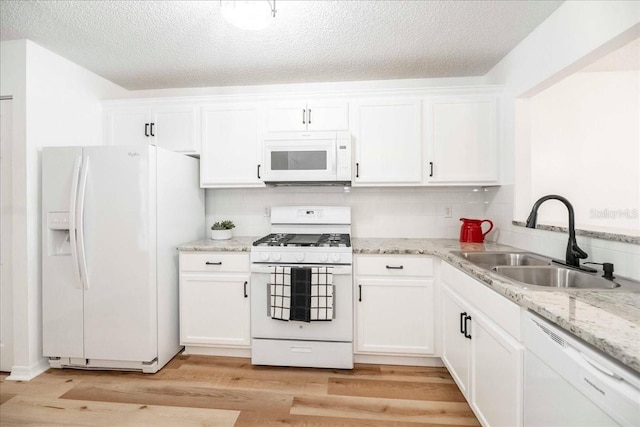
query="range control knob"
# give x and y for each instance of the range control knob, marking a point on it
(265, 256)
(276, 257)
(324, 257)
(335, 257)
(299, 257)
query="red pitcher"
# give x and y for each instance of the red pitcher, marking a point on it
(471, 230)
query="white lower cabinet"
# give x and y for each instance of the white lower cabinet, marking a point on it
(394, 305)
(214, 302)
(478, 348)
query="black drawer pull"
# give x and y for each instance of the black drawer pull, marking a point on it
(258, 171)
(392, 267)
(146, 129)
(430, 168)
(466, 332)
(360, 293)
(245, 289)
(213, 263)
(151, 129)
(462, 317)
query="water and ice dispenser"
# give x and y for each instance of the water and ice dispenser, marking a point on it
(58, 231)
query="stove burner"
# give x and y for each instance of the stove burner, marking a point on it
(308, 240)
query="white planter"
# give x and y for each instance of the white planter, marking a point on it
(221, 234)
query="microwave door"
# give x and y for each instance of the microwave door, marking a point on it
(304, 163)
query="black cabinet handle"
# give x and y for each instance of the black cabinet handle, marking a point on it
(430, 168)
(151, 128)
(360, 293)
(146, 129)
(213, 263)
(462, 317)
(303, 116)
(357, 170)
(309, 117)
(392, 267)
(258, 171)
(466, 331)
(245, 289)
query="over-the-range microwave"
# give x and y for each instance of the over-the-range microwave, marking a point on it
(307, 158)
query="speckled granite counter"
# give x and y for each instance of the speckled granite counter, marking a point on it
(235, 244)
(608, 320)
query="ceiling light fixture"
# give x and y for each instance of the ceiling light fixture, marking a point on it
(249, 15)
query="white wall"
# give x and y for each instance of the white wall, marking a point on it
(585, 145)
(56, 102)
(576, 34)
(376, 212)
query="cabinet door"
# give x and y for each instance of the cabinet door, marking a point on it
(287, 117)
(327, 115)
(394, 316)
(497, 372)
(302, 116)
(388, 142)
(230, 146)
(455, 346)
(463, 140)
(214, 310)
(176, 128)
(128, 126)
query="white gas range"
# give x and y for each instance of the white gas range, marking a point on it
(305, 267)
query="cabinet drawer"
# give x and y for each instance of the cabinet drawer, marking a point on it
(214, 262)
(394, 265)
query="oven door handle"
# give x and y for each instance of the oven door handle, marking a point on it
(266, 269)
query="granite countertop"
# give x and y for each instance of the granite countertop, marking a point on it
(608, 320)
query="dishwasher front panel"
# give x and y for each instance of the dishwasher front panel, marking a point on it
(568, 383)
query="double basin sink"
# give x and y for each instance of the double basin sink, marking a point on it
(536, 271)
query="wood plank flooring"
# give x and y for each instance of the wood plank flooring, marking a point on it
(224, 391)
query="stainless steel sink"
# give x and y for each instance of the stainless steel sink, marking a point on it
(491, 259)
(554, 277)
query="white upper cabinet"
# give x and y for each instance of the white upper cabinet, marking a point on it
(303, 116)
(462, 139)
(167, 125)
(231, 145)
(388, 140)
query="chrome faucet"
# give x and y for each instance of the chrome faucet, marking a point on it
(574, 253)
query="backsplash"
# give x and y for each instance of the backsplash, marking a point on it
(417, 212)
(376, 212)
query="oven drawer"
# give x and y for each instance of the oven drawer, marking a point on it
(393, 265)
(214, 262)
(319, 354)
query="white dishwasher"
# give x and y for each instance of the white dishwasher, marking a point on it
(567, 383)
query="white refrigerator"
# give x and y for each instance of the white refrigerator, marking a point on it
(112, 217)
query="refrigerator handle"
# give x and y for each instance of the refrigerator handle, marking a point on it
(82, 259)
(72, 221)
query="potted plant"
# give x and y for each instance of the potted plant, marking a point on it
(221, 230)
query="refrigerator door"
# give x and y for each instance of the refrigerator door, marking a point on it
(62, 294)
(117, 243)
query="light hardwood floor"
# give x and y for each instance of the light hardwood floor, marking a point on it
(220, 391)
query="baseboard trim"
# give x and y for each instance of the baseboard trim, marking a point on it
(217, 351)
(27, 373)
(398, 360)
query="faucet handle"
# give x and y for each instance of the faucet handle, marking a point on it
(577, 252)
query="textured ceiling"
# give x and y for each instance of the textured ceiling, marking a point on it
(164, 44)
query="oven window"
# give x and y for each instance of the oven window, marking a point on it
(298, 160)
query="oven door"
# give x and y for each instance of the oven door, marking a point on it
(338, 329)
(303, 157)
